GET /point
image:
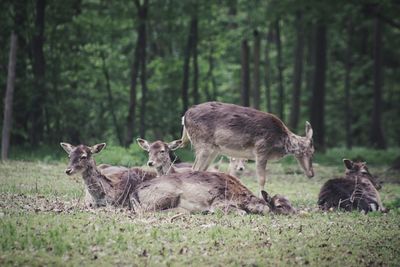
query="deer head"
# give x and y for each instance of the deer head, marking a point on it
(80, 157)
(279, 204)
(236, 166)
(305, 151)
(359, 169)
(159, 152)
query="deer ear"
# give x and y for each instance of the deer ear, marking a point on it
(309, 130)
(97, 148)
(67, 147)
(174, 145)
(266, 196)
(348, 163)
(143, 144)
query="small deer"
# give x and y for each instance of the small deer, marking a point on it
(356, 191)
(161, 156)
(217, 128)
(236, 166)
(200, 191)
(101, 189)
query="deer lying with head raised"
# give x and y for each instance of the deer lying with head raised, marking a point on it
(102, 189)
(218, 128)
(356, 191)
(134, 188)
(161, 156)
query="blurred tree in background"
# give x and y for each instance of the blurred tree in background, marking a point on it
(94, 70)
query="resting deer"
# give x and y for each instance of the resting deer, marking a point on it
(101, 189)
(161, 156)
(218, 128)
(191, 191)
(236, 166)
(356, 191)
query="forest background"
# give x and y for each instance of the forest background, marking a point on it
(109, 71)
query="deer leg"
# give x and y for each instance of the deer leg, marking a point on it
(203, 159)
(261, 172)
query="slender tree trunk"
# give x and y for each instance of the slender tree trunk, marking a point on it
(256, 74)
(143, 10)
(347, 67)
(36, 130)
(297, 72)
(245, 75)
(196, 97)
(131, 124)
(318, 95)
(281, 104)
(267, 70)
(377, 137)
(186, 68)
(8, 101)
(111, 101)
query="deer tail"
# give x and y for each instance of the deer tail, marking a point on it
(185, 136)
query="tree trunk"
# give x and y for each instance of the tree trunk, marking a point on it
(377, 138)
(143, 10)
(36, 130)
(186, 67)
(196, 97)
(256, 74)
(318, 90)
(111, 101)
(245, 75)
(8, 101)
(267, 70)
(281, 104)
(134, 75)
(297, 72)
(347, 101)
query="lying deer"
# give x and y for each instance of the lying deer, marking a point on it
(191, 191)
(236, 166)
(161, 156)
(218, 128)
(113, 189)
(356, 191)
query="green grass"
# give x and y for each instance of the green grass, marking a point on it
(42, 222)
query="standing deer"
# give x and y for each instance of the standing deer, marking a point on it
(218, 128)
(356, 191)
(161, 156)
(113, 189)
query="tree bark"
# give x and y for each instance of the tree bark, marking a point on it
(267, 70)
(8, 101)
(281, 104)
(131, 124)
(347, 67)
(256, 74)
(36, 130)
(245, 75)
(377, 138)
(318, 94)
(143, 11)
(111, 101)
(186, 69)
(196, 97)
(297, 72)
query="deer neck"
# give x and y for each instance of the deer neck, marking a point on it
(165, 169)
(294, 144)
(93, 181)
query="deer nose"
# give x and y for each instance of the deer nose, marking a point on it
(68, 171)
(241, 168)
(150, 163)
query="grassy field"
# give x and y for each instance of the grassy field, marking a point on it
(43, 222)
